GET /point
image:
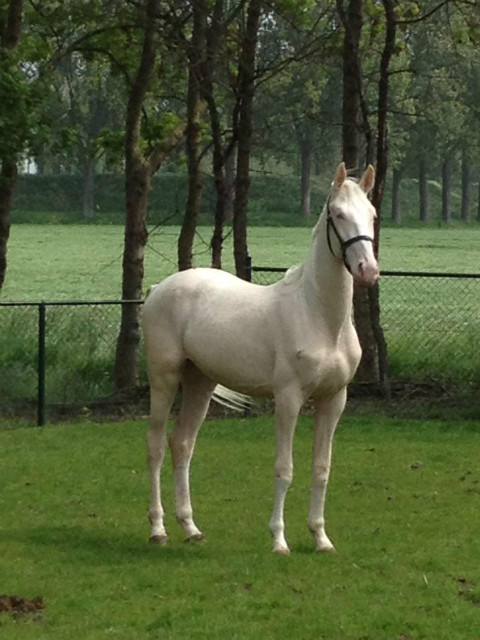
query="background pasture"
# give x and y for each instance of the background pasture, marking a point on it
(83, 262)
(402, 510)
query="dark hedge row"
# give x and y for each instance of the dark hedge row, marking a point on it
(59, 199)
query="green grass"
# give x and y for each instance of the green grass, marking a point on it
(402, 510)
(65, 262)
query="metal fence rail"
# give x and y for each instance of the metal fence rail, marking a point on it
(60, 355)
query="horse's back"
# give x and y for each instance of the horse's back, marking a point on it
(185, 289)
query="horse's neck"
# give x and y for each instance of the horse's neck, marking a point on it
(327, 284)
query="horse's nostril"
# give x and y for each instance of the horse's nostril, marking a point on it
(360, 268)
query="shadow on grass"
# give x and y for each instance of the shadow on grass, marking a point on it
(84, 545)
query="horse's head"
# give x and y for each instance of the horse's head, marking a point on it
(350, 218)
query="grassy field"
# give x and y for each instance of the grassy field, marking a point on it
(65, 262)
(402, 510)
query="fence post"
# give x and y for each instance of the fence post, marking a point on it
(41, 365)
(248, 268)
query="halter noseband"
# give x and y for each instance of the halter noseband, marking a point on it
(344, 244)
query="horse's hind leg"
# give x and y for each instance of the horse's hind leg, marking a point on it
(197, 390)
(162, 393)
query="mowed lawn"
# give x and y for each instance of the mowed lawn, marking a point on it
(83, 262)
(403, 511)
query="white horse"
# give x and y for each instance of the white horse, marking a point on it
(292, 340)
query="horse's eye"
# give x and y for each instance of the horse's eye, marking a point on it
(340, 216)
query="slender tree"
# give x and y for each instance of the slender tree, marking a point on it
(373, 367)
(396, 182)
(10, 29)
(423, 187)
(352, 20)
(141, 163)
(446, 188)
(379, 186)
(223, 148)
(196, 72)
(243, 133)
(466, 183)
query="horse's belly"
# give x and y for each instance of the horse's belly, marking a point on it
(237, 362)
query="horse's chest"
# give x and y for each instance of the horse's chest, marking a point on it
(326, 370)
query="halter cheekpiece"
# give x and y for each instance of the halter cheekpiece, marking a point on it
(344, 244)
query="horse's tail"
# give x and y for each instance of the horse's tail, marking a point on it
(231, 399)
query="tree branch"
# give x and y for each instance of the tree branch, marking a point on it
(425, 15)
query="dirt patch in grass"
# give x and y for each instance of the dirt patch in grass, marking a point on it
(18, 606)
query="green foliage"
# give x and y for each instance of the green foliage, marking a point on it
(402, 509)
(18, 100)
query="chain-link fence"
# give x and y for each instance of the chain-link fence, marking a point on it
(57, 359)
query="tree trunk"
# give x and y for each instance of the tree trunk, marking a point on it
(214, 31)
(382, 110)
(230, 172)
(306, 151)
(396, 182)
(377, 194)
(194, 110)
(478, 201)
(137, 183)
(9, 39)
(136, 235)
(244, 136)
(8, 181)
(446, 172)
(466, 179)
(195, 183)
(220, 184)
(10, 35)
(423, 189)
(352, 20)
(89, 188)
(139, 170)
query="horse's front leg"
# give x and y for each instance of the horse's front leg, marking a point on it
(287, 407)
(327, 414)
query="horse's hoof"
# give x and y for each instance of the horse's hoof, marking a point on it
(282, 551)
(197, 537)
(161, 540)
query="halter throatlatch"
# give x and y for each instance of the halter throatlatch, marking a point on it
(344, 244)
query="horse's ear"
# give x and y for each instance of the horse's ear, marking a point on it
(340, 176)
(368, 179)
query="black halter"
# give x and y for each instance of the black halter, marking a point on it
(344, 244)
